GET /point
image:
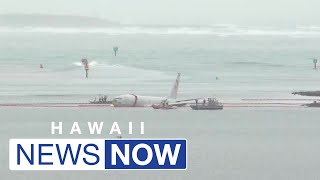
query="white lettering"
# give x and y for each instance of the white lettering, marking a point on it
(130, 127)
(95, 127)
(167, 152)
(142, 127)
(125, 158)
(53, 127)
(135, 154)
(115, 128)
(75, 128)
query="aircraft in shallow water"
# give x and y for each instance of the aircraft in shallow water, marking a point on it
(133, 100)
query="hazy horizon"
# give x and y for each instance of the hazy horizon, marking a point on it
(177, 12)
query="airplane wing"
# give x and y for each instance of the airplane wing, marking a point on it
(183, 100)
(178, 104)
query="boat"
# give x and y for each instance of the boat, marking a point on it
(307, 93)
(314, 104)
(213, 104)
(158, 106)
(101, 100)
(164, 105)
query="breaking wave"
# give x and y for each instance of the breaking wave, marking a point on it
(253, 63)
(120, 68)
(218, 30)
(91, 63)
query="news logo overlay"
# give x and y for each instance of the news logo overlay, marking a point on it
(98, 154)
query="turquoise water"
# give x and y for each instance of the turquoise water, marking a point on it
(262, 143)
(247, 66)
(236, 143)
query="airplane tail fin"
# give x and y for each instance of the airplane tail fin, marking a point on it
(174, 90)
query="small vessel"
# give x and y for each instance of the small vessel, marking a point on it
(158, 106)
(101, 100)
(314, 104)
(213, 104)
(164, 105)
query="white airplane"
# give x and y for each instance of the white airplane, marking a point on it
(133, 100)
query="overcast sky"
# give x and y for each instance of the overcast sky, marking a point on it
(241, 12)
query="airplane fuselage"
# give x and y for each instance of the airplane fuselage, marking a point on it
(132, 100)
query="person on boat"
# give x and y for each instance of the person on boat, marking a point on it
(204, 101)
(196, 102)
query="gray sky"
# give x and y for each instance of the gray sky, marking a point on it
(241, 12)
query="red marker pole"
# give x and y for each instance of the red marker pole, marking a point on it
(86, 68)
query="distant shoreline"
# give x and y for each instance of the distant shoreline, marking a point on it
(45, 20)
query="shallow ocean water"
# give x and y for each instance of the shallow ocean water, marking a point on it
(236, 143)
(247, 66)
(230, 144)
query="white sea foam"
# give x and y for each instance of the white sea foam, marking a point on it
(217, 30)
(123, 70)
(91, 63)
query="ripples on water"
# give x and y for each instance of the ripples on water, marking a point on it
(240, 143)
(149, 58)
